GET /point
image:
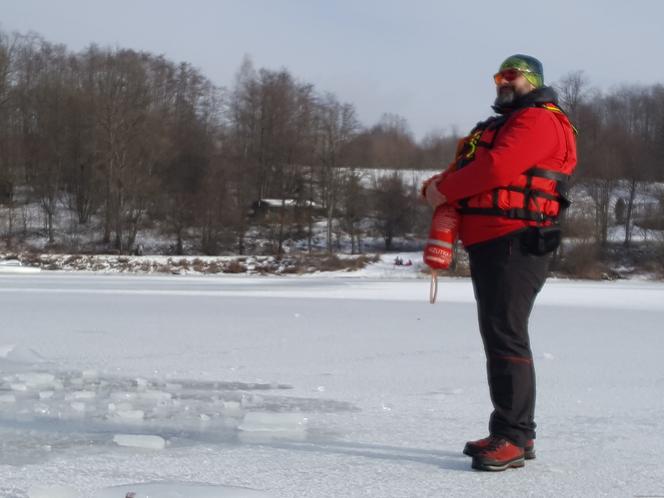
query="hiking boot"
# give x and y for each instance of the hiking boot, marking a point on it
(472, 448)
(499, 454)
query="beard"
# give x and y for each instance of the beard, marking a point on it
(506, 96)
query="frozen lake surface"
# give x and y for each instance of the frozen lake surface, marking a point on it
(314, 387)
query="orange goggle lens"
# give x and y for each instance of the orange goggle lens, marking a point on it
(508, 75)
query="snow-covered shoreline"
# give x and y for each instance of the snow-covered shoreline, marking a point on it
(182, 265)
(294, 266)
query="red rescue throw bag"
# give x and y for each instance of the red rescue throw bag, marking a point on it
(439, 250)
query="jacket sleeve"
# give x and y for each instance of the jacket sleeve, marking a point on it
(528, 138)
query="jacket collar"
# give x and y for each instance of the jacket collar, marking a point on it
(542, 95)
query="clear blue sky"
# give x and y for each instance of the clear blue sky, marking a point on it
(430, 61)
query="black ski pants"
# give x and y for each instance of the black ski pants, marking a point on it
(506, 279)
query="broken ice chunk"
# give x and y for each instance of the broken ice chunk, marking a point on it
(90, 374)
(156, 396)
(232, 409)
(258, 426)
(140, 441)
(80, 395)
(78, 406)
(34, 380)
(129, 415)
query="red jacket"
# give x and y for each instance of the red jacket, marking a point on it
(489, 174)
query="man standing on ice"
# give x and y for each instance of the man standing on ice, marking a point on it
(508, 181)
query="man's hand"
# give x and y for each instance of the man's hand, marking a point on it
(433, 196)
(426, 183)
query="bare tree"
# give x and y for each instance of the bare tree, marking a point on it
(631, 117)
(392, 208)
(82, 174)
(8, 152)
(44, 88)
(437, 149)
(337, 126)
(124, 100)
(572, 90)
(354, 208)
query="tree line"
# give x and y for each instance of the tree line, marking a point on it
(127, 141)
(621, 151)
(134, 140)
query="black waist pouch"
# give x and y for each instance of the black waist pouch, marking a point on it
(541, 240)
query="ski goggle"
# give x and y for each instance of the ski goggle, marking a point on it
(508, 75)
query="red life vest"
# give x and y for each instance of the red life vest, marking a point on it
(533, 197)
